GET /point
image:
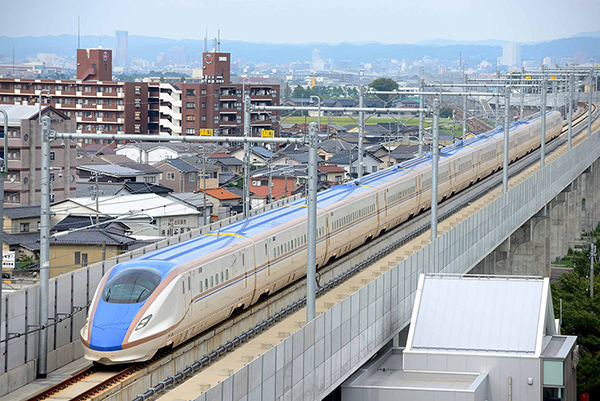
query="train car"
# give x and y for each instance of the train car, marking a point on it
(168, 296)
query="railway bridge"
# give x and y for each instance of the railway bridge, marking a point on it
(369, 296)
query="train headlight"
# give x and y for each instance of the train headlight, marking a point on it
(143, 322)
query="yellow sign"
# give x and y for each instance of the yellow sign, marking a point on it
(267, 133)
(206, 132)
(528, 77)
(553, 77)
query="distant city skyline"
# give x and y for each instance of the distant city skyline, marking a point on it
(334, 21)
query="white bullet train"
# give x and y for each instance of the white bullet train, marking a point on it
(169, 295)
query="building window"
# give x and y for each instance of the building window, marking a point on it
(77, 258)
(204, 91)
(5, 86)
(88, 88)
(88, 114)
(190, 105)
(192, 177)
(108, 114)
(108, 102)
(190, 131)
(190, 118)
(108, 89)
(150, 180)
(84, 259)
(98, 89)
(170, 176)
(138, 90)
(137, 128)
(99, 114)
(374, 169)
(203, 105)
(138, 103)
(190, 92)
(256, 183)
(52, 155)
(203, 118)
(138, 116)
(24, 227)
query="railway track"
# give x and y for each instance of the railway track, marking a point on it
(98, 382)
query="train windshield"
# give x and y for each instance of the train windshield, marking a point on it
(131, 286)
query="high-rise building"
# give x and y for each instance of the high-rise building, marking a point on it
(317, 60)
(122, 57)
(511, 54)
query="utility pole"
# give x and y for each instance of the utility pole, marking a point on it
(421, 114)
(311, 265)
(319, 111)
(435, 150)
(246, 155)
(44, 250)
(270, 181)
(543, 112)
(204, 187)
(3, 169)
(96, 197)
(570, 98)
(506, 134)
(555, 92)
(592, 255)
(361, 127)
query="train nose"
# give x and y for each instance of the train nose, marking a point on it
(110, 326)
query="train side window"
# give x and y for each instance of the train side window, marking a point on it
(217, 279)
(201, 286)
(206, 283)
(274, 252)
(226, 274)
(212, 283)
(189, 283)
(266, 250)
(304, 238)
(222, 277)
(183, 286)
(243, 259)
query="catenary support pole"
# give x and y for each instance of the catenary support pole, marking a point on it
(505, 139)
(435, 150)
(204, 189)
(592, 254)
(421, 115)
(555, 93)
(312, 228)
(570, 117)
(3, 169)
(522, 103)
(44, 250)
(246, 193)
(590, 103)
(464, 119)
(543, 116)
(361, 131)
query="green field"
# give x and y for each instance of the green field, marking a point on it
(340, 120)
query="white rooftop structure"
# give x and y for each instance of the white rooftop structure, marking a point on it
(481, 314)
(475, 338)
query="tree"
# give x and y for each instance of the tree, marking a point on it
(384, 84)
(298, 92)
(287, 92)
(581, 317)
(446, 112)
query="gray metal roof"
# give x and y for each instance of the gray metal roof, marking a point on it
(478, 314)
(16, 113)
(111, 169)
(22, 212)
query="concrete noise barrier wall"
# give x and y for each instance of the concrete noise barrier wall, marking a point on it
(316, 359)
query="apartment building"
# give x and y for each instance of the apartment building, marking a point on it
(216, 101)
(100, 105)
(22, 180)
(94, 101)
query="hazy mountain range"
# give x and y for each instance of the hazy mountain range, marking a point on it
(148, 47)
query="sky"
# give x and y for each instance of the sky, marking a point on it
(305, 21)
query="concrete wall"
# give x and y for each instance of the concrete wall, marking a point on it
(317, 358)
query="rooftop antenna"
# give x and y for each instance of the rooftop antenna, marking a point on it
(215, 44)
(78, 34)
(205, 39)
(219, 40)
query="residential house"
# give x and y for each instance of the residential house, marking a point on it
(179, 175)
(21, 231)
(258, 155)
(228, 164)
(74, 250)
(348, 160)
(224, 200)
(195, 200)
(330, 147)
(335, 174)
(285, 179)
(110, 173)
(154, 152)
